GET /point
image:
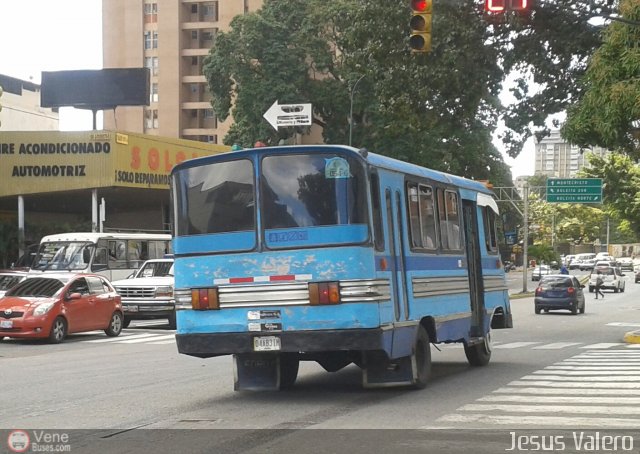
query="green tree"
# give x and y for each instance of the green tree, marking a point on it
(608, 114)
(438, 109)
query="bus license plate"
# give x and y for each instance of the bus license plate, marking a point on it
(266, 344)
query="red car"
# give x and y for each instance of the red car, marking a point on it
(53, 306)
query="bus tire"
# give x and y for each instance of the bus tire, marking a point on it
(421, 359)
(479, 354)
(289, 364)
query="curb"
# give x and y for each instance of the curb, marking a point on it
(632, 337)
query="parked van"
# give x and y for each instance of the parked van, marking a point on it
(577, 262)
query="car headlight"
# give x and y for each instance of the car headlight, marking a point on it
(43, 308)
(164, 291)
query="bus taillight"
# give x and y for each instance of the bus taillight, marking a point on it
(324, 293)
(204, 298)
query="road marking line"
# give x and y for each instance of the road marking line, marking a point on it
(118, 339)
(555, 346)
(605, 380)
(568, 391)
(515, 345)
(594, 367)
(564, 383)
(590, 373)
(561, 399)
(166, 342)
(156, 337)
(603, 345)
(577, 409)
(552, 421)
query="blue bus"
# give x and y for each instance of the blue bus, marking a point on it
(332, 254)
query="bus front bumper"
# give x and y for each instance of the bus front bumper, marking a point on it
(206, 345)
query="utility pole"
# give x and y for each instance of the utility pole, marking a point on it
(525, 234)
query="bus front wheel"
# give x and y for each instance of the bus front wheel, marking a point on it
(479, 353)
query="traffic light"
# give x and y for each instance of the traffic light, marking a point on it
(420, 24)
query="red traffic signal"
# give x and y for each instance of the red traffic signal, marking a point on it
(420, 26)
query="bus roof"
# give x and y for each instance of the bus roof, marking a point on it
(373, 159)
(93, 237)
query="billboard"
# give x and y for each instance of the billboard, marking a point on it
(96, 89)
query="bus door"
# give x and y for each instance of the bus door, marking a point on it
(396, 251)
(474, 265)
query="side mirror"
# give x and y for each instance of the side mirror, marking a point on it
(581, 286)
(73, 296)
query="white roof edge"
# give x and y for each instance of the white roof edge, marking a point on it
(486, 200)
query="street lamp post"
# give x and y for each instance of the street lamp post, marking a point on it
(353, 90)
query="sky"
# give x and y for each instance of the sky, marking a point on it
(67, 35)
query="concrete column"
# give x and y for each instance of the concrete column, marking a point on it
(94, 210)
(21, 246)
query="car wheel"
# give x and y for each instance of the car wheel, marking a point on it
(574, 310)
(126, 322)
(289, 365)
(616, 290)
(590, 289)
(582, 308)
(172, 320)
(537, 310)
(58, 330)
(115, 325)
(479, 354)
(622, 289)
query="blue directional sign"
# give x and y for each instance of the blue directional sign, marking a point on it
(574, 190)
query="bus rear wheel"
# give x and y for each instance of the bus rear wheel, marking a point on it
(421, 360)
(479, 354)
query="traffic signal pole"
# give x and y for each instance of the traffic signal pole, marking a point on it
(525, 235)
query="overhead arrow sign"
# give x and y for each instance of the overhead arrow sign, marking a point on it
(280, 115)
(574, 190)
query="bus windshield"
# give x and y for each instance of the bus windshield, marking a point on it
(68, 255)
(322, 196)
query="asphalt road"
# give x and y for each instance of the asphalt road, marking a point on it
(136, 394)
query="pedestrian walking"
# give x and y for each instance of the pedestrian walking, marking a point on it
(599, 282)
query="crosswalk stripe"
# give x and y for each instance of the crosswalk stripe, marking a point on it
(166, 342)
(603, 345)
(570, 391)
(605, 367)
(552, 421)
(555, 409)
(572, 384)
(155, 337)
(515, 345)
(603, 380)
(118, 339)
(561, 399)
(556, 345)
(589, 373)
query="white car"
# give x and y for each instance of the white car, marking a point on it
(539, 271)
(625, 263)
(614, 279)
(148, 293)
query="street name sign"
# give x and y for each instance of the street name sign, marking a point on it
(574, 190)
(280, 115)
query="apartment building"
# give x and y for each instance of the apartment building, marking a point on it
(171, 38)
(556, 158)
(21, 109)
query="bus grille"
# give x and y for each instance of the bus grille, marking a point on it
(298, 293)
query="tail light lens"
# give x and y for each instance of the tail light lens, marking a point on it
(538, 290)
(571, 290)
(321, 293)
(204, 298)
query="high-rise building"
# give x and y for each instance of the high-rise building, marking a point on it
(171, 38)
(557, 158)
(21, 109)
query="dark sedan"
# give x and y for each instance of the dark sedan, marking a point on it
(559, 291)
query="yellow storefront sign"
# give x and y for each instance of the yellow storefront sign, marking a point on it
(33, 162)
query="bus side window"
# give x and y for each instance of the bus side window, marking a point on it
(378, 231)
(100, 260)
(117, 254)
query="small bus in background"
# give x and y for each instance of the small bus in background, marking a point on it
(113, 255)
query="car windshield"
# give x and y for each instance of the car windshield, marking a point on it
(37, 286)
(156, 269)
(7, 282)
(73, 255)
(556, 282)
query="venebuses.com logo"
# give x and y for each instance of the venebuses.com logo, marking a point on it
(18, 441)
